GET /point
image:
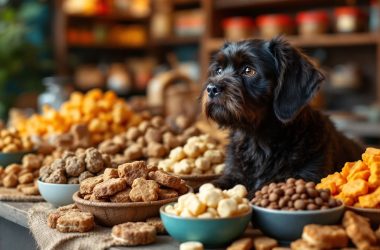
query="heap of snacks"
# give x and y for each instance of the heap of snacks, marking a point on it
(104, 114)
(259, 243)
(294, 195)
(23, 176)
(11, 141)
(200, 155)
(73, 168)
(358, 183)
(354, 227)
(211, 202)
(151, 139)
(132, 182)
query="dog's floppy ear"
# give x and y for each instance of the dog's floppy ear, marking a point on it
(298, 79)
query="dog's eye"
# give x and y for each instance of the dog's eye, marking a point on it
(248, 71)
(218, 71)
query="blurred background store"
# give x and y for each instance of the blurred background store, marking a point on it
(155, 53)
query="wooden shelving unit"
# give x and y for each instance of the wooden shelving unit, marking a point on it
(114, 17)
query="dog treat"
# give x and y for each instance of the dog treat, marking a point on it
(109, 187)
(303, 245)
(164, 194)
(134, 233)
(131, 171)
(200, 155)
(210, 202)
(191, 245)
(75, 221)
(241, 244)
(157, 223)
(88, 185)
(359, 230)
(325, 237)
(358, 184)
(110, 173)
(264, 243)
(122, 196)
(10, 180)
(294, 195)
(11, 141)
(53, 216)
(165, 179)
(144, 190)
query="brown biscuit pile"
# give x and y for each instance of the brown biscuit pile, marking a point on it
(70, 219)
(72, 168)
(151, 140)
(11, 141)
(132, 182)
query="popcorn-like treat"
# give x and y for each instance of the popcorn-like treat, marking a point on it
(359, 230)
(166, 165)
(10, 180)
(26, 178)
(302, 245)
(214, 156)
(218, 169)
(202, 164)
(132, 171)
(144, 190)
(227, 207)
(134, 233)
(87, 185)
(325, 237)
(183, 167)
(164, 194)
(122, 196)
(157, 223)
(206, 186)
(241, 244)
(109, 187)
(134, 152)
(74, 166)
(195, 206)
(264, 243)
(191, 245)
(110, 173)
(85, 175)
(192, 150)
(75, 221)
(210, 197)
(156, 150)
(165, 179)
(177, 154)
(94, 161)
(57, 176)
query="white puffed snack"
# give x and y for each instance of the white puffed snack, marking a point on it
(183, 167)
(214, 156)
(192, 150)
(166, 165)
(191, 245)
(186, 213)
(202, 163)
(210, 197)
(218, 169)
(177, 154)
(242, 208)
(227, 208)
(195, 206)
(205, 187)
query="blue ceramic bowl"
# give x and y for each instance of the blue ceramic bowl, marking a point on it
(57, 194)
(211, 232)
(287, 226)
(10, 158)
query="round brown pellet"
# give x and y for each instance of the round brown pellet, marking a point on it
(300, 181)
(303, 196)
(290, 191)
(280, 184)
(311, 206)
(290, 180)
(300, 189)
(318, 201)
(258, 193)
(290, 203)
(265, 196)
(272, 185)
(264, 189)
(332, 202)
(299, 204)
(324, 207)
(295, 197)
(273, 205)
(264, 203)
(324, 195)
(282, 202)
(312, 192)
(292, 209)
(310, 184)
(280, 192)
(273, 197)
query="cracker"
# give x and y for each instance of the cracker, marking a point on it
(132, 171)
(109, 187)
(325, 236)
(144, 190)
(87, 185)
(164, 194)
(157, 223)
(264, 243)
(75, 221)
(122, 196)
(165, 179)
(134, 233)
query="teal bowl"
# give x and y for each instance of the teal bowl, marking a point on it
(10, 158)
(211, 232)
(286, 226)
(57, 194)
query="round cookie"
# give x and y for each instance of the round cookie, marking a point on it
(134, 233)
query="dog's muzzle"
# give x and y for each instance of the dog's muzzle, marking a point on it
(212, 90)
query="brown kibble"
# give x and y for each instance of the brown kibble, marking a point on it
(312, 192)
(299, 204)
(332, 202)
(153, 135)
(290, 181)
(311, 206)
(303, 196)
(264, 203)
(264, 189)
(134, 152)
(273, 197)
(295, 197)
(318, 201)
(290, 191)
(299, 182)
(324, 195)
(133, 133)
(300, 189)
(310, 184)
(279, 192)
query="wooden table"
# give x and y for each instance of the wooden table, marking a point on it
(14, 232)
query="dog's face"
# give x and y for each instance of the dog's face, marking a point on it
(253, 78)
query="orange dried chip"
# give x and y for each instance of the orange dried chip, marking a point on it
(355, 188)
(368, 159)
(328, 185)
(374, 178)
(358, 166)
(347, 168)
(370, 200)
(372, 151)
(364, 174)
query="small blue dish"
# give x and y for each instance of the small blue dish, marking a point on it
(211, 232)
(57, 194)
(10, 158)
(286, 226)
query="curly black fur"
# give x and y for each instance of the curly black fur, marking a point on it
(274, 134)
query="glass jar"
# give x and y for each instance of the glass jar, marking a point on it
(55, 93)
(312, 22)
(348, 19)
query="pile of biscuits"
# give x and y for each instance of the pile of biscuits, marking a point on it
(69, 219)
(151, 140)
(211, 202)
(258, 243)
(72, 168)
(294, 195)
(103, 112)
(23, 176)
(200, 155)
(354, 227)
(358, 184)
(132, 182)
(11, 141)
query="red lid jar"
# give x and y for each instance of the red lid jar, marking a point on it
(349, 19)
(272, 25)
(236, 28)
(312, 22)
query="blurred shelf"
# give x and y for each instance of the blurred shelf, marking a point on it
(113, 17)
(176, 41)
(234, 4)
(365, 129)
(328, 40)
(105, 46)
(186, 2)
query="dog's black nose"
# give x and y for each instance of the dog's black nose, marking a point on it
(212, 90)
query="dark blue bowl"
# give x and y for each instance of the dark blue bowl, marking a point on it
(211, 232)
(10, 158)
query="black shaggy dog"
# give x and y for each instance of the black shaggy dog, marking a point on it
(260, 91)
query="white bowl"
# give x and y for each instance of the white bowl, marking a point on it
(58, 194)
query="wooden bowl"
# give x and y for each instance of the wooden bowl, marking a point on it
(195, 181)
(110, 214)
(373, 214)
